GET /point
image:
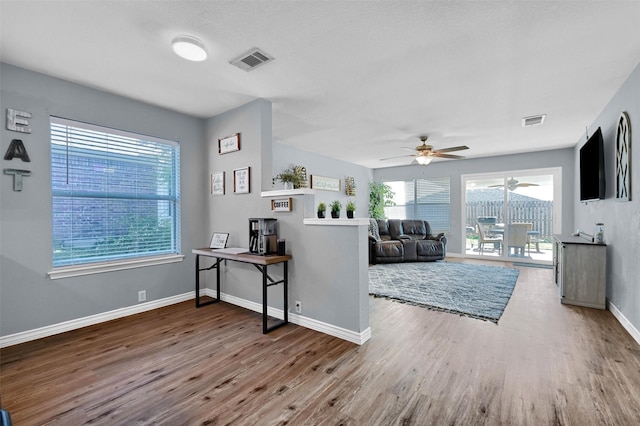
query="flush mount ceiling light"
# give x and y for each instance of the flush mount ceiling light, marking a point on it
(189, 48)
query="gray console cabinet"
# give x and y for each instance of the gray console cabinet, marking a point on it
(580, 269)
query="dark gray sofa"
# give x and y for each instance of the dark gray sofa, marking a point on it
(404, 240)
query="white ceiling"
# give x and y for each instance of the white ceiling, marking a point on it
(351, 80)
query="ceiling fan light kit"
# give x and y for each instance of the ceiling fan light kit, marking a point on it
(423, 160)
(424, 153)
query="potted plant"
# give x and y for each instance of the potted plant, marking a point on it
(335, 209)
(291, 177)
(322, 207)
(380, 196)
(351, 207)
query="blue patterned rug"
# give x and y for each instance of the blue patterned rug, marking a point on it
(477, 291)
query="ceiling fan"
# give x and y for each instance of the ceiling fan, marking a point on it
(513, 184)
(424, 153)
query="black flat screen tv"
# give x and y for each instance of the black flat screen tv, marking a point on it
(592, 180)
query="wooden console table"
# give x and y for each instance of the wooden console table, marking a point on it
(261, 263)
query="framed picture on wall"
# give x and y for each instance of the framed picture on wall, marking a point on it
(242, 180)
(217, 183)
(229, 144)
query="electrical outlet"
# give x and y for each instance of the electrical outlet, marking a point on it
(142, 295)
(298, 307)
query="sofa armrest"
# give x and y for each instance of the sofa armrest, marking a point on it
(435, 237)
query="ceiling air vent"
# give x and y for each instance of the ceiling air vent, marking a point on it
(252, 59)
(534, 120)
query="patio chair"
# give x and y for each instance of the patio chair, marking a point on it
(483, 239)
(518, 237)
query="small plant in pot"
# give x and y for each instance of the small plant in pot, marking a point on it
(335, 209)
(351, 207)
(322, 207)
(291, 178)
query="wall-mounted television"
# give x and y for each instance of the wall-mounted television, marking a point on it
(592, 179)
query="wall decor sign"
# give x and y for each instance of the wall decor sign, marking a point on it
(17, 177)
(17, 150)
(281, 204)
(623, 158)
(17, 121)
(229, 144)
(302, 171)
(242, 180)
(325, 183)
(217, 183)
(350, 185)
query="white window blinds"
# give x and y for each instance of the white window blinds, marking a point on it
(427, 199)
(115, 195)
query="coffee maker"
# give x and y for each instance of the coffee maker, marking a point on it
(263, 236)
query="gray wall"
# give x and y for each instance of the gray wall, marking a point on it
(28, 298)
(327, 294)
(563, 158)
(230, 212)
(285, 156)
(621, 219)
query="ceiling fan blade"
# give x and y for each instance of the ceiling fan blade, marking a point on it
(495, 186)
(406, 148)
(527, 184)
(453, 148)
(397, 156)
(438, 154)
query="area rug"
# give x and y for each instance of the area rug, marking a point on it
(477, 291)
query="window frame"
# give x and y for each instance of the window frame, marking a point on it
(416, 183)
(128, 258)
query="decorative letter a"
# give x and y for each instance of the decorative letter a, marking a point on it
(17, 150)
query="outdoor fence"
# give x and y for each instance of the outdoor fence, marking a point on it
(537, 212)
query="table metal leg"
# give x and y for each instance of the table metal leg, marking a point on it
(267, 282)
(216, 265)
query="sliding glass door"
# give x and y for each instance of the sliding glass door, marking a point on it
(512, 215)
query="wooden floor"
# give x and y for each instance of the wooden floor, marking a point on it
(543, 364)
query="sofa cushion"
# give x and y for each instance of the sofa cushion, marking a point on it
(415, 229)
(388, 251)
(383, 229)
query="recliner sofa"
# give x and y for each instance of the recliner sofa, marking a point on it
(404, 240)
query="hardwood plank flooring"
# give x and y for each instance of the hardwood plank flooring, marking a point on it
(543, 364)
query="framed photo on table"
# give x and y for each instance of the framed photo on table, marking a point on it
(219, 240)
(242, 180)
(229, 144)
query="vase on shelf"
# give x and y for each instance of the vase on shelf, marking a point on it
(288, 185)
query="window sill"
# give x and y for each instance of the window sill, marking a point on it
(97, 268)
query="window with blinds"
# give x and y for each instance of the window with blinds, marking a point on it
(427, 199)
(115, 195)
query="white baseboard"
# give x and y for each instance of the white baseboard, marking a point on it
(322, 327)
(624, 321)
(50, 330)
